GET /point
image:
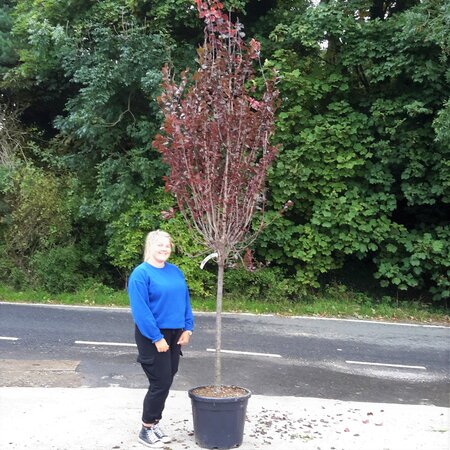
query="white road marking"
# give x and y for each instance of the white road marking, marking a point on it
(111, 344)
(401, 366)
(235, 352)
(6, 338)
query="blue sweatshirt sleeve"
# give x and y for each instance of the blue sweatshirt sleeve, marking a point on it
(189, 317)
(140, 308)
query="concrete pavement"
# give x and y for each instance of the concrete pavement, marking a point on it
(109, 418)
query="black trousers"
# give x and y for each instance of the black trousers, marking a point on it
(160, 368)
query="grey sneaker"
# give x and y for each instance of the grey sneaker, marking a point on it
(148, 437)
(160, 433)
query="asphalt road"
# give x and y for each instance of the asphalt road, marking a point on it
(270, 355)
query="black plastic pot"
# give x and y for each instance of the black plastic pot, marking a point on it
(219, 422)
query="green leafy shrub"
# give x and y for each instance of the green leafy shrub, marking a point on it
(10, 273)
(57, 269)
(417, 259)
(267, 284)
(127, 235)
(363, 132)
(39, 216)
(35, 219)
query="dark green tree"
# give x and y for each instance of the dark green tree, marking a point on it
(364, 88)
(8, 57)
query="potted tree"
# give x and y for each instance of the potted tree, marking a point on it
(216, 142)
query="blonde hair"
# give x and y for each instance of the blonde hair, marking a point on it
(151, 239)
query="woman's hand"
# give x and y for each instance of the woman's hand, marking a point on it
(162, 345)
(184, 338)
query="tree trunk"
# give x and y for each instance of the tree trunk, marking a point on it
(218, 365)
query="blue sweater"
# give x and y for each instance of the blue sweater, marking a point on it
(159, 298)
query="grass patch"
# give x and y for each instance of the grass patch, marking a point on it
(94, 296)
(321, 305)
(334, 301)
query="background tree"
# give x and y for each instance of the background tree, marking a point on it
(363, 127)
(216, 142)
(363, 87)
(87, 81)
(8, 57)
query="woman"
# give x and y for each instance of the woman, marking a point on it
(161, 310)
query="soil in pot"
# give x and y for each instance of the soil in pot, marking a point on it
(220, 391)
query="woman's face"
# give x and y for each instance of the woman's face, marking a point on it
(160, 249)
